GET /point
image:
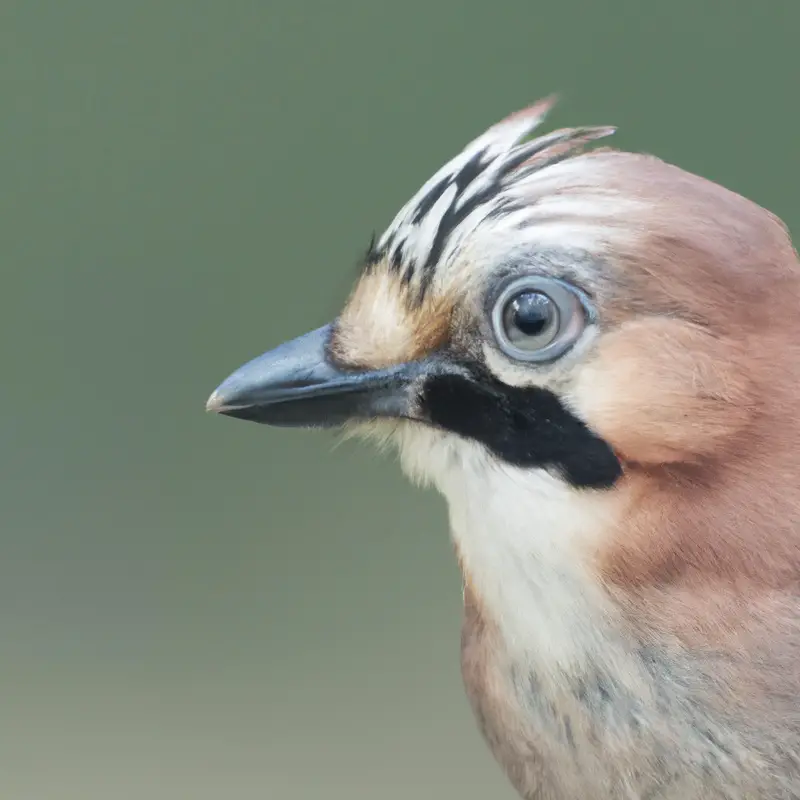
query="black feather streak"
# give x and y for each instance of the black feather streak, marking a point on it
(526, 427)
(372, 256)
(452, 217)
(475, 167)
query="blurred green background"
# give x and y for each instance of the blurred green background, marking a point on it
(194, 607)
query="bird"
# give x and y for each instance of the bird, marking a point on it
(593, 355)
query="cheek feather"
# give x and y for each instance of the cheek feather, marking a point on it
(661, 390)
(381, 324)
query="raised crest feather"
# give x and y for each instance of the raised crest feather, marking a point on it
(470, 187)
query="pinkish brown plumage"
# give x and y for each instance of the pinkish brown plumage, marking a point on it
(594, 358)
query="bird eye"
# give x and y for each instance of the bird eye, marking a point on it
(530, 320)
(539, 319)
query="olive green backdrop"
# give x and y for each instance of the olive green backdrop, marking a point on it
(190, 606)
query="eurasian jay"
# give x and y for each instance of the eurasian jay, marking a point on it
(594, 356)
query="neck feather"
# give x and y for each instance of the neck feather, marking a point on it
(526, 541)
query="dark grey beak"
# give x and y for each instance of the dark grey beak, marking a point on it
(296, 385)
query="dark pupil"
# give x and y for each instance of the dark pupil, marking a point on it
(532, 313)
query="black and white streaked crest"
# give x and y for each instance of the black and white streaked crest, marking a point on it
(478, 183)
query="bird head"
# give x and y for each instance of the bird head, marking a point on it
(597, 319)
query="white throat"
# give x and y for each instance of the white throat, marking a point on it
(526, 540)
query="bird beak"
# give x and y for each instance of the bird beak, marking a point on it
(296, 385)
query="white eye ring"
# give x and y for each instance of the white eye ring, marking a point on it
(571, 313)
